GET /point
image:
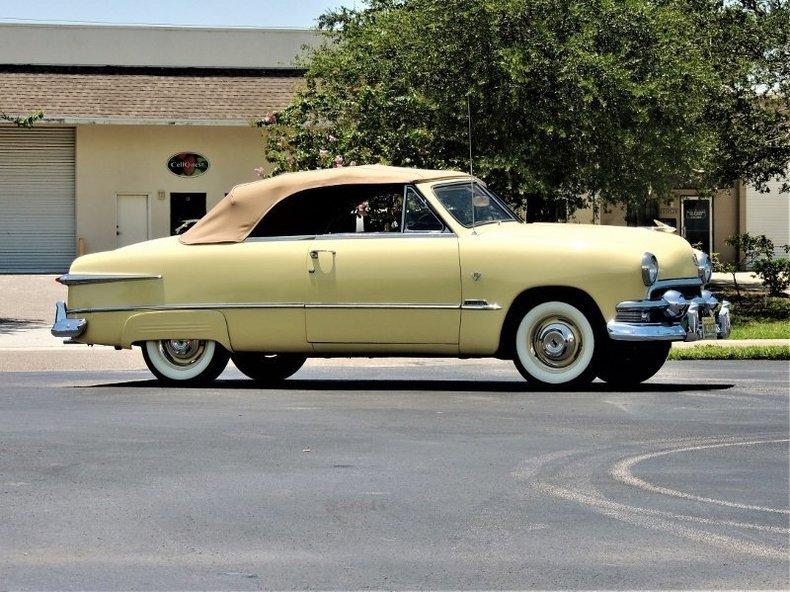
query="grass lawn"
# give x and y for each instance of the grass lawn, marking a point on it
(755, 316)
(716, 352)
(761, 330)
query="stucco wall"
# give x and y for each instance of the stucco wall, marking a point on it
(725, 223)
(132, 160)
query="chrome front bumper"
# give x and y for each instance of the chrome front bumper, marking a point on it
(672, 318)
(66, 327)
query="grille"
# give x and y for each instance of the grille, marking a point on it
(633, 315)
(688, 292)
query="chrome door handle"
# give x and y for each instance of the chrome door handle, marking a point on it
(314, 253)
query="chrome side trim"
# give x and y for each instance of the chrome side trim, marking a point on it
(376, 305)
(375, 235)
(64, 326)
(479, 305)
(76, 279)
(207, 306)
(274, 239)
(263, 305)
(353, 236)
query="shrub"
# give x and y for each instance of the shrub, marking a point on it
(757, 252)
(775, 273)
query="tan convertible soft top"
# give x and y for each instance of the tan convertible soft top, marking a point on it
(233, 218)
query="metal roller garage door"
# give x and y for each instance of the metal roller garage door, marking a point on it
(36, 199)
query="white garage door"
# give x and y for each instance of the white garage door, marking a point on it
(36, 199)
(769, 214)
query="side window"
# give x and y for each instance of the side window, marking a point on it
(418, 216)
(336, 209)
(368, 208)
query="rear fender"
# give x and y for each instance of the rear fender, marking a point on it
(176, 324)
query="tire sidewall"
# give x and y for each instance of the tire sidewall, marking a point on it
(264, 369)
(631, 363)
(528, 363)
(166, 370)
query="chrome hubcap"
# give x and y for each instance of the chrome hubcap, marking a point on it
(556, 342)
(182, 352)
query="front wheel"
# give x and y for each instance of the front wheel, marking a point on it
(185, 361)
(268, 368)
(555, 343)
(627, 364)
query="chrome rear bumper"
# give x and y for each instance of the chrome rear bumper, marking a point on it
(66, 327)
(672, 318)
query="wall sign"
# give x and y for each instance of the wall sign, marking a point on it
(187, 164)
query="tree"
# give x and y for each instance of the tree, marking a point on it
(569, 99)
(23, 121)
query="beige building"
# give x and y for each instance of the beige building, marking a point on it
(148, 127)
(711, 220)
(145, 129)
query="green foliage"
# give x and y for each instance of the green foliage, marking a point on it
(775, 273)
(761, 330)
(26, 121)
(757, 252)
(755, 308)
(574, 98)
(719, 352)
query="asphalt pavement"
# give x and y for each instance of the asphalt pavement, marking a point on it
(392, 475)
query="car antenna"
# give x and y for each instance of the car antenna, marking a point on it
(471, 171)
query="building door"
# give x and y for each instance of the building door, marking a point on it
(697, 221)
(185, 210)
(37, 229)
(131, 219)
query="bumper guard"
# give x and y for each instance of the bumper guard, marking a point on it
(66, 327)
(672, 318)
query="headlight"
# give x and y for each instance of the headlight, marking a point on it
(649, 269)
(705, 269)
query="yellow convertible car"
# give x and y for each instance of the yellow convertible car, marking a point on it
(382, 261)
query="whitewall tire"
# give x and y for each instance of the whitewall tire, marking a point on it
(185, 361)
(555, 345)
(268, 368)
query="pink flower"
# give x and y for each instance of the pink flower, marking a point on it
(260, 171)
(269, 118)
(352, 163)
(331, 138)
(338, 161)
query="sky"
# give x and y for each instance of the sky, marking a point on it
(212, 13)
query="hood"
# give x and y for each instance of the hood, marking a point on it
(673, 252)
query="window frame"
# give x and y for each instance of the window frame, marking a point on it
(445, 228)
(492, 196)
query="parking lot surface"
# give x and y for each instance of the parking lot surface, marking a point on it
(388, 475)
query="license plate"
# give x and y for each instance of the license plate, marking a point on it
(709, 328)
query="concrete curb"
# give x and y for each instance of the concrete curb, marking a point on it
(731, 343)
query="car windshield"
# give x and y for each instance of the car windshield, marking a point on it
(481, 208)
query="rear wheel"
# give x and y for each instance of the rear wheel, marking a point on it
(555, 343)
(268, 368)
(185, 361)
(627, 364)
